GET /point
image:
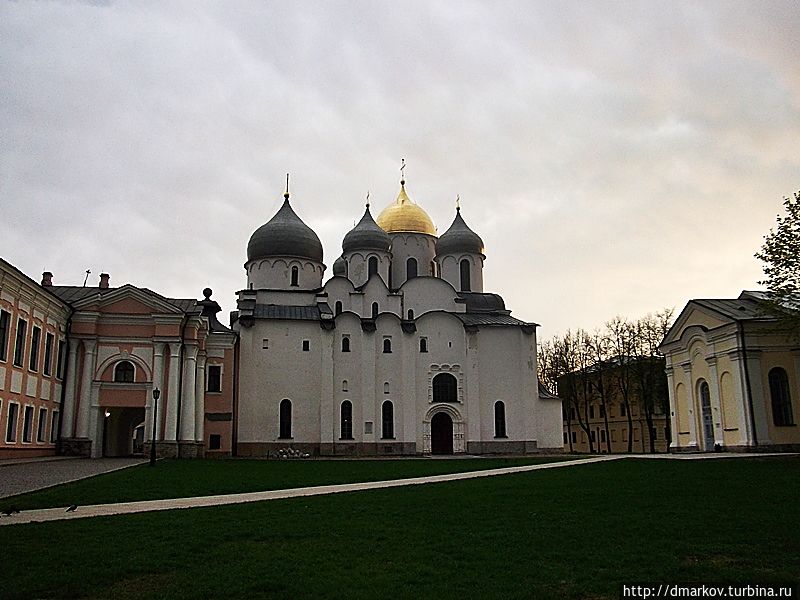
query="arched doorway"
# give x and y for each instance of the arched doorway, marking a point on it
(441, 434)
(707, 416)
(122, 428)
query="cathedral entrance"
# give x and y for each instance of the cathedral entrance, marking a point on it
(123, 428)
(441, 434)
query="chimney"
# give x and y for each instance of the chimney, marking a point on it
(47, 279)
(104, 277)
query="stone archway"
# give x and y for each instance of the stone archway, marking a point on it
(119, 429)
(441, 434)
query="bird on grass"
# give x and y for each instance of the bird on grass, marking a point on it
(72, 508)
(9, 511)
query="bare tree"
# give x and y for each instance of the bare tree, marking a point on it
(622, 336)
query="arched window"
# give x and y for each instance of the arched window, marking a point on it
(410, 315)
(433, 269)
(385, 387)
(387, 420)
(372, 266)
(499, 419)
(346, 426)
(374, 310)
(345, 344)
(781, 399)
(411, 268)
(445, 388)
(285, 419)
(344, 385)
(387, 346)
(295, 276)
(338, 307)
(123, 372)
(423, 344)
(465, 284)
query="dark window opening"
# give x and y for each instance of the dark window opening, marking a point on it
(36, 339)
(41, 430)
(423, 344)
(346, 425)
(11, 424)
(214, 378)
(5, 320)
(465, 282)
(123, 372)
(781, 398)
(445, 388)
(387, 419)
(499, 419)
(19, 345)
(27, 425)
(374, 310)
(372, 266)
(411, 268)
(387, 346)
(285, 419)
(295, 276)
(214, 441)
(410, 315)
(345, 344)
(49, 340)
(338, 308)
(306, 345)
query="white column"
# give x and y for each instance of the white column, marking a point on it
(171, 429)
(687, 369)
(187, 401)
(200, 399)
(740, 394)
(759, 397)
(85, 409)
(158, 383)
(673, 407)
(716, 404)
(68, 410)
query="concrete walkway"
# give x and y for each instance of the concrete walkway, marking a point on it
(96, 510)
(29, 475)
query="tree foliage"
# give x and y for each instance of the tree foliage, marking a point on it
(780, 254)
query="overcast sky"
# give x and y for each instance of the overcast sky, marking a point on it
(616, 157)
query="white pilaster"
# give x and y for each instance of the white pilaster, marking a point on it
(692, 408)
(740, 395)
(68, 424)
(188, 393)
(87, 376)
(171, 429)
(759, 397)
(716, 404)
(156, 411)
(200, 399)
(673, 407)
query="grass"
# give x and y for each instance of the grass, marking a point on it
(185, 478)
(578, 532)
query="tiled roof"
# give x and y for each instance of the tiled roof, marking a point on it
(74, 293)
(489, 320)
(292, 313)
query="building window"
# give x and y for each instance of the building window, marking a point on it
(295, 276)
(372, 266)
(387, 418)
(265, 344)
(306, 345)
(338, 307)
(423, 344)
(591, 411)
(5, 320)
(602, 411)
(574, 437)
(410, 315)
(345, 344)
(214, 378)
(565, 437)
(54, 426)
(387, 345)
(499, 419)
(11, 423)
(285, 419)
(374, 310)
(602, 435)
(368, 427)
(465, 282)
(48, 354)
(594, 437)
(781, 399)
(27, 425)
(123, 372)
(41, 431)
(344, 385)
(623, 410)
(36, 340)
(19, 344)
(214, 441)
(573, 414)
(445, 388)
(385, 387)
(411, 268)
(346, 425)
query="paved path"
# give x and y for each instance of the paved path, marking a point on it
(29, 475)
(96, 510)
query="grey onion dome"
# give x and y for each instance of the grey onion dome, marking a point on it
(340, 267)
(285, 234)
(367, 235)
(459, 238)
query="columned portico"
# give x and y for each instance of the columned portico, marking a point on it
(68, 425)
(188, 393)
(171, 426)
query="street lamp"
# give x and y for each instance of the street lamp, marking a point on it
(156, 394)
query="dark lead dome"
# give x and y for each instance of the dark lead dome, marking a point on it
(285, 234)
(340, 267)
(459, 239)
(366, 236)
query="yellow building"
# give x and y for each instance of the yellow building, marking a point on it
(733, 377)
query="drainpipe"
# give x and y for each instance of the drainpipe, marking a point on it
(740, 328)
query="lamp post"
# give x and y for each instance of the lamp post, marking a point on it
(156, 394)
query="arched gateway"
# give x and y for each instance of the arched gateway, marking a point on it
(443, 431)
(441, 434)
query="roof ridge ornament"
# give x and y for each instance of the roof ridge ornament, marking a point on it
(286, 193)
(402, 172)
(458, 203)
(367, 199)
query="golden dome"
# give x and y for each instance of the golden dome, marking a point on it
(403, 216)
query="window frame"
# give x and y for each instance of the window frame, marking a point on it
(19, 342)
(41, 426)
(780, 397)
(33, 354)
(285, 419)
(449, 389)
(217, 368)
(27, 425)
(9, 438)
(47, 363)
(117, 366)
(346, 420)
(387, 420)
(500, 420)
(5, 334)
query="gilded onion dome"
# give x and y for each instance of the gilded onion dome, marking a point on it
(366, 236)
(458, 239)
(285, 234)
(404, 216)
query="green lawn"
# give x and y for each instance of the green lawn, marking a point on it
(577, 532)
(184, 478)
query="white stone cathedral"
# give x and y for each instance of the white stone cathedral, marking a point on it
(400, 352)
